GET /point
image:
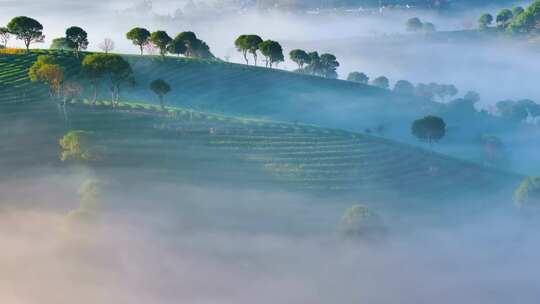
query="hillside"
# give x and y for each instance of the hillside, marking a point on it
(197, 147)
(237, 89)
(188, 147)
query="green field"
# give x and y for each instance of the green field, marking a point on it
(202, 147)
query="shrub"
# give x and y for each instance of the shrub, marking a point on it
(79, 146)
(359, 221)
(528, 193)
(11, 51)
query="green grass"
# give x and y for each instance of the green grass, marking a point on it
(196, 146)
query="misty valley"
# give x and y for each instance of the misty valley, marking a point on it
(269, 151)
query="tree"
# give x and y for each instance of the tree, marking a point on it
(26, 29)
(359, 222)
(512, 111)
(429, 128)
(139, 36)
(40, 61)
(78, 37)
(381, 82)
(517, 10)
(79, 145)
(404, 87)
(44, 70)
(93, 68)
(160, 87)
(300, 57)
(527, 195)
(414, 24)
(485, 21)
(472, 96)
(176, 47)
(194, 46)
(4, 36)
(329, 64)
(53, 76)
(62, 44)
(358, 77)
(107, 45)
(446, 90)
(161, 40)
(190, 40)
(119, 72)
(527, 20)
(503, 18)
(241, 46)
(200, 49)
(314, 67)
(252, 44)
(272, 51)
(428, 27)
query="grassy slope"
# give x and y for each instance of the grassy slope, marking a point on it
(200, 147)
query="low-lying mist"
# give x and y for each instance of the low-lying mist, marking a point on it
(167, 243)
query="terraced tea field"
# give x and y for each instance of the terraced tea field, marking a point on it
(202, 147)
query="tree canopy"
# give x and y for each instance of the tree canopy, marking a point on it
(62, 43)
(26, 29)
(504, 17)
(359, 221)
(485, 20)
(248, 44)
(300, 57)
(404, 87)
(195, 47)
(79, 145)
(381, 82)
(78, 37)
(272, 51)
(95, 67)
(414, 24)
(161, 40)
(46, 71)
(358, 77)
(160, 87)
(176, 47)
(324, 65)
(528, 193)
(430, 128)
(139, 36)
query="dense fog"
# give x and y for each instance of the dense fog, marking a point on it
(173, 243)
(71, 233)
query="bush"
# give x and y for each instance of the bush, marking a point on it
(79, 146)
(527, 194)
(12, 51)
(359, 221)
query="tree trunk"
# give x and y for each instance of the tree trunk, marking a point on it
(255, 57)
(95, 92)
(141, 47)
(245, 57)
(161, 102)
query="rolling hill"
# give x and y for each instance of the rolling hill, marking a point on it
(201, 147)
